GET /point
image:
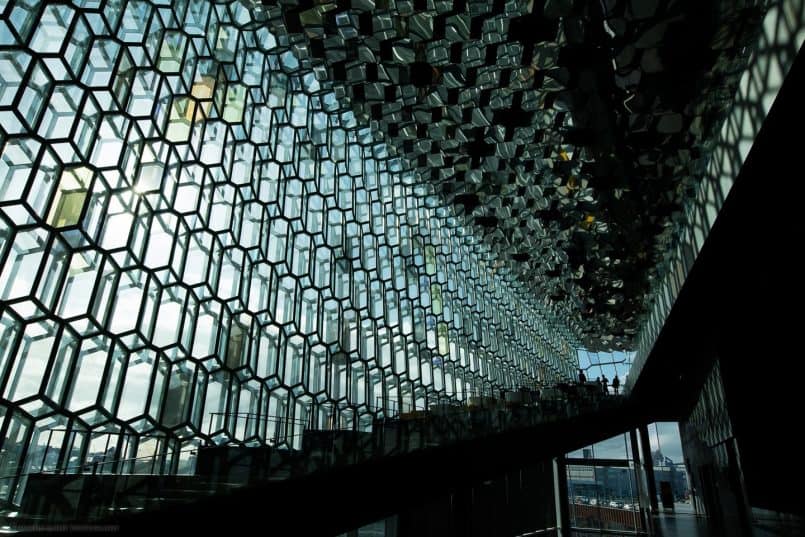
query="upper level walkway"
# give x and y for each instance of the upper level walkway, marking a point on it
(426, 449)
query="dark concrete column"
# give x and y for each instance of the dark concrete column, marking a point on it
(560, 497)
(648, 465)
(642, 486)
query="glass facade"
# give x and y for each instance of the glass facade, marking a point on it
(193, 228)
(603, 489)
(226, 222)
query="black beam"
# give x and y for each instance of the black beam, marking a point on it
(648, 465)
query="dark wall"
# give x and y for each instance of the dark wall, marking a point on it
(741, 303)
(509, 504)
(711, 458)
(762, 291)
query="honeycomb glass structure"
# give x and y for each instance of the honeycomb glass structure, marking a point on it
(222, 219)
(570, 136)
(194, 227)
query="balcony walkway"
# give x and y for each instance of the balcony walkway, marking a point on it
(424, 450)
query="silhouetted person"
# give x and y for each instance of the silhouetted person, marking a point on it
(582, 377)
(616, 383)
(604, 383)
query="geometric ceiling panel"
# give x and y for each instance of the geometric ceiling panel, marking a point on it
(568, 135)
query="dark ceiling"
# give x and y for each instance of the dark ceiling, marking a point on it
(568, 135)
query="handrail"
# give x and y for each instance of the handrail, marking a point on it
(94, 464)
(439, 408)
(323, 452)
(543, 531)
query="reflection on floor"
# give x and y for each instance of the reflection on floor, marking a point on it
(690, 525)
(681, 525)
(772, 524)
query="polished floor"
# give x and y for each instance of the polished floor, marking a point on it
(681, 525)
(691, 525)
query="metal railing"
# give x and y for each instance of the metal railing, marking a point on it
(321, 439)
(543, 531)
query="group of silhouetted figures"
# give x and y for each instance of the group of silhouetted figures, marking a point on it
(603, 382)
